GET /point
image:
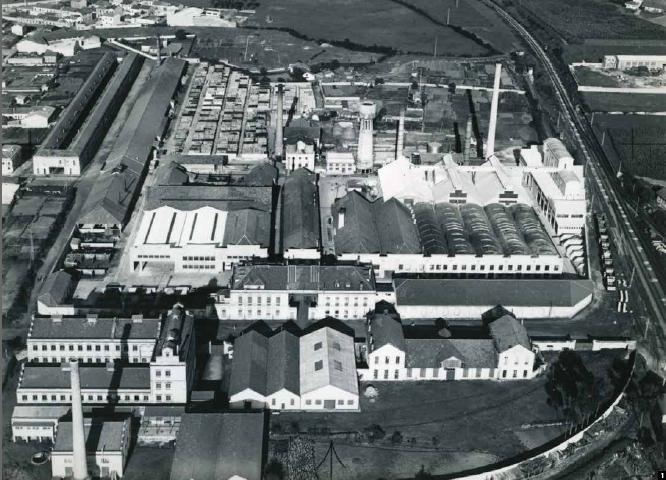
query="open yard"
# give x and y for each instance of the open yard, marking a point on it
(382, 23)
(445, 426)
(624, 102)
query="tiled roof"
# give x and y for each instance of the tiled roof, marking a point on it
(304, 277)
(99, 328)
(508, 332)
(300, 220)
(56, 288)
(97, 377)
(283, 363)
(248, 369)
(386, 329)
(430, 353)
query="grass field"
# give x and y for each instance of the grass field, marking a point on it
(372, 22)
(446, 426)
(594, 50)
(576, 20)
(624, 102)
(649, 137)
(587, 76)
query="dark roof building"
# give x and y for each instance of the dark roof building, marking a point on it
(220, 445)
(57, 288)
(431, 352)
(508, 332)
(300, 201)
(303, 277)
(386, 329)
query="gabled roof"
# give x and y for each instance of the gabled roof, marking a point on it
(303, 277)
(386, 329)
(262, 175)
(56, 288)
(247, 227)
(248, 369)
(508, 332)
(283, 363)
(430, 353)
(300, 222)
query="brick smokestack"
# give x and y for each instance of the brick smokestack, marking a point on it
(490, 148)
(279, 147)
(80, 465)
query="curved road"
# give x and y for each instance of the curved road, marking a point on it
(603, 180)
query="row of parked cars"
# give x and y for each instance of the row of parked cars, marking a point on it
(607, 267)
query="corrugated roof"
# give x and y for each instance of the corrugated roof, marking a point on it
(248, 369)
(221, 197)
(283, 363)
(247, 227)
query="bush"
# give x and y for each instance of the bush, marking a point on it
(396, 438)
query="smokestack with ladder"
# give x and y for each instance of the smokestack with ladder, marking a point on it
(79, 465)
(490, 147)
(400, 144)
(278, 124)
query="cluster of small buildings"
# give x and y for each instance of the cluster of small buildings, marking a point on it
(654, 63)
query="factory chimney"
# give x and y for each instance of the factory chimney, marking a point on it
(468, 141)
(400, 145)
(490, 148)
(79, 466)
(159, 50)
(278, 124)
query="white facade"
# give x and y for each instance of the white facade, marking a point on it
(283, 400)
(257, 304)
(190, 241)
(198, 17)
(300, 155)
(66, 47)
(365, 155)
(340, 163)
(11, 155)
(624, 62)
(36, 424)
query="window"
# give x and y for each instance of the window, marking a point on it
(350, 402)
(273, 402)
(375, 374)
(386, 360)
(341, 402)
(62, 348)
(158, 373)
(515, 374)
(524, 373)
(503, 373)
(319, 364)
(376, 360)
(106, 348)
(395, 374)
(317, 346)
(167, 373)
(308, 402)
(337, 365)
(159, 398)
(158, 385)
(397, 360)
(336, 346)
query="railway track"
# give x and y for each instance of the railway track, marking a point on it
(603, 180)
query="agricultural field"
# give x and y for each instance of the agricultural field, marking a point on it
(624, 102)
(458, 426)
(593, 50)
(381, 23)
(647, 157)
(576, 20)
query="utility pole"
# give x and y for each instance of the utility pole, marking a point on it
(329, 453)
(247, 43)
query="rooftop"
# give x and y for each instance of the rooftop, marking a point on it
(300, 226)
(94, 328)
(97, 377)
(303, 277)
(219, 445)
(100, 436)
(431, 352)
(508, 332)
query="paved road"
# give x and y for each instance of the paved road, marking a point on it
(608, 192)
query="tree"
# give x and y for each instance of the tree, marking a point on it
(335, 64)
(181, 35)
(274, 470)
(379, 81)
(396, 438)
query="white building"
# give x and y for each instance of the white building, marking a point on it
(199, 17)
(11, 158)
(316, 371)
(624, 62)
(107, 446)
(276, 292)
(505, 355)
(161, 376)
(66, 46)
(299, 155)
(340, 163)
(36, 423)
(205, 228)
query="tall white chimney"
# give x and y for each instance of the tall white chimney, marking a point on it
(490, 148)
(80, 465)
(468, 141)
(365, 154)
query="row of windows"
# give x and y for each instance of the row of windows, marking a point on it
(500, 268)
(91, 360)
(291, 402)
(158, 373)
(319, 364)
(319, 345)
(318, 402)
(195, 259)
(153, 256)
(89, 348)
(198, 267)
(167, 386)
(91, 398)
(387, 360)
(250, 300)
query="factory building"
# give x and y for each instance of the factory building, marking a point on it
(310, 370)
(124, 361)
(504, 353)
(300, 230)
(340, 162)
(11, 159)
(299, 155)
(53, 156)
(288, 292)
(203, 228)
(112, 199)
(444, 238)
(655, 63)
(36, 423)
(106, 445)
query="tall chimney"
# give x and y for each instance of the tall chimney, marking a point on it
(278, 125)
(159, 50)
(490, 148)
(468, 141)
(80, 465)
(400, 145)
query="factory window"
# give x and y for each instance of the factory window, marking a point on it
(98, 348)
(395, 374)
(308, 402)
(318, 402)
(291, 402)
(317, 346)
(350, 402)
(375, 374)
(337, 365)
(319, 364)
(159, 398)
